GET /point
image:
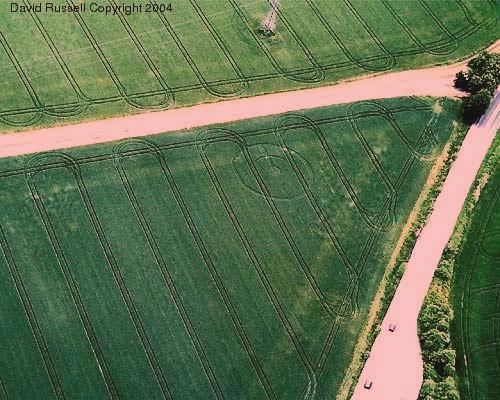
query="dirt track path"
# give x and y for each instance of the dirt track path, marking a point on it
(395, 365)
(436, 81)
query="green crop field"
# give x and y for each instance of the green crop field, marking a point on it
(57, 68)
(476, 300)
(235, 261)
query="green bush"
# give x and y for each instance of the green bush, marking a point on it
(444, 390)
(435, 341)
(445, 272)
(428, 390)
(444, 361)
(435, 316)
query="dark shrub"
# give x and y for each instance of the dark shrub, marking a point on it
(460, 81)
(475, 105)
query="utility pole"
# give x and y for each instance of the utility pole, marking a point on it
(268, 25)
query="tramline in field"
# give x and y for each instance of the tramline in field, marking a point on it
(476, 328)
(72, 66)
(234, 262)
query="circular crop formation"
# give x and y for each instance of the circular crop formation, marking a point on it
(275, 169)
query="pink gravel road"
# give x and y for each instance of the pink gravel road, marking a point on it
(436, 81)
(395, 365)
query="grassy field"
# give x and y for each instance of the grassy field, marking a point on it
(476, 328)
(234, 262)
(57, 68)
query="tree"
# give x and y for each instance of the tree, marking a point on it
(435, 315)
(444, 362)
(444, 272)
(446, 390)
(474, 106)
(434, 341)
(428, 390)
(430, 372)
(483, 72)
(481, 80)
